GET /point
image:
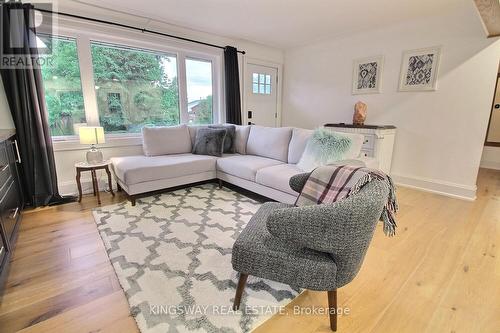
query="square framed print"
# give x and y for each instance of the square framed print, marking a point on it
(366, 77)
(419, 69)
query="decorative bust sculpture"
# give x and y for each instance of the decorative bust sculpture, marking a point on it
(359, 114)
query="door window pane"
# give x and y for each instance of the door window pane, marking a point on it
(261, 83)
(261, 78)
(63, 86)
(199, 91)
(255, 88)
(134, 88)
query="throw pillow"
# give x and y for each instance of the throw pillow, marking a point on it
(323, 148)
(209, 141)
(229, 146)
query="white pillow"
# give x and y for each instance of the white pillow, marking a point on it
(166, 140)
(327, 147)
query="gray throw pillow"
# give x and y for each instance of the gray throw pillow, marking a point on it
(229, 146)
(209, 141)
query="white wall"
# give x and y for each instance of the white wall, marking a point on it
(491, 158)
(5, 117)
(440, 134)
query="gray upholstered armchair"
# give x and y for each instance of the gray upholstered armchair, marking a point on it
(317, 247)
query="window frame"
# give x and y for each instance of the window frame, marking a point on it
(84, 33)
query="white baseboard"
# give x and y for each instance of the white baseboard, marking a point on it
(449, 189)
(70, 188)
(490, 165)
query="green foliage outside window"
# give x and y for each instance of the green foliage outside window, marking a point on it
(148, 96)
(63, 87)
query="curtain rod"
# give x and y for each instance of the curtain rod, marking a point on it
(133, 28)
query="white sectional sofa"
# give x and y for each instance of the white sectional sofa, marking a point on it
(264, 161)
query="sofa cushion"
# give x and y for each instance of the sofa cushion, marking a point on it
(298, 144)
(210, 141)
(278, 177)
(166, 140)
(241, 138)
(138, 169)
(244, 166)
(269, 142)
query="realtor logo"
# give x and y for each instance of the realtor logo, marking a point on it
(20, 47)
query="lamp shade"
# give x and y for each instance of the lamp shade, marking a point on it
(91, 135)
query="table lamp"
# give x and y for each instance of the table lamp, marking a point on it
(92, 135)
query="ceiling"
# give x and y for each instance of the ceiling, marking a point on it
(280, 23)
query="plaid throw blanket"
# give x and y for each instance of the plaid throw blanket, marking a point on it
(328, 184)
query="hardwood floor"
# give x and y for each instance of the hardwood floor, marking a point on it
(441, 273)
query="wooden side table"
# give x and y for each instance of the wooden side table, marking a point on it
(84, 166)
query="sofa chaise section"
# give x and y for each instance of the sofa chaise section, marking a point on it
(141, 174)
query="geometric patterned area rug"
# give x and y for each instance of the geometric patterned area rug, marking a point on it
(172, 255)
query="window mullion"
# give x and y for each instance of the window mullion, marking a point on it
(183, 100)
(87, 77)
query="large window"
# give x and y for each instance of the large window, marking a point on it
(125, 87)
(134, 88)
(63, 87)
(199, 91)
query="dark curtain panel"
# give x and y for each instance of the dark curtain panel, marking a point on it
(25, 94)
(232, 82)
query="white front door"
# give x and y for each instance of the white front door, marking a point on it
(261, 95)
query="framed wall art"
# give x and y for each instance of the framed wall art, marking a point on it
(419, 69)
(367, 74)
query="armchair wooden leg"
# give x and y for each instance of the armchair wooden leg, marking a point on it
(239, 291)
(332, 309)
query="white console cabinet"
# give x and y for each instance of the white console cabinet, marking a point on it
(378, 142)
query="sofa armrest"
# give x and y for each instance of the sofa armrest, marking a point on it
(297, 182)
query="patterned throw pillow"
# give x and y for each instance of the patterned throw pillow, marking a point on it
(209, 141)
(323, 148)
(229, 146)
